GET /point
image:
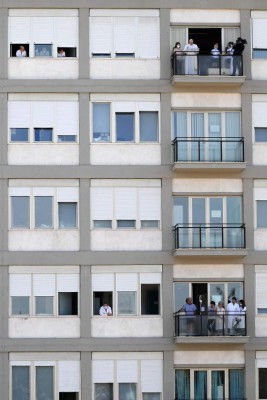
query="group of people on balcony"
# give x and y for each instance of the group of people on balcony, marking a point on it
(185, 60)
(219, 321)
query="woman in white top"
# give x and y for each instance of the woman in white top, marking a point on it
(220, 317)
(21, 52)
(191, 51)
(242, 322)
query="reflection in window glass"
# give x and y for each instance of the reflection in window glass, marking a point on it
(20, 383)
(260, 134)
(19, 134)
(43, 212)
(44, 383)
(217, 292)
(180, 210)
(103, 391)
(43, 305)
(151, 396)
(43, 50)
(67, 213)
(261, 213)
(148, 224)
(200, 384)
(20, 212)
(43, 134)
(126, 223)
(127, 303)
(20, 305)
(127, 391)
(235, 289)
(101, 122)
(217, 385)
(66, 138)
(102, 224)
(148, 126)
(125, 127)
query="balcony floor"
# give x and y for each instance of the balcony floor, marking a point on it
(210, 253)
(211, 80)
(208, 166)
(211, 339)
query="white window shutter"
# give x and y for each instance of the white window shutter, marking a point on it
(101, 35)
(42, 30)
(261, 293)
(127, 371)
(68, 282)
(150, 204)
(19, 114)
(148, 37)
(151, 376)
(43, 284)
(19, 29)
(101, 203)
(69, 376)
(259, 32)
(66, 31)
(150, 277)
(103, 371)
(125, 35)
(20, 284)
(67, 118)
(125, 203)
(102, 282)
(43, 114)
(126, 282)
(67, 194)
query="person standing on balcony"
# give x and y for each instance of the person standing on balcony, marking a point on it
(178, 60)
(215, 52)
(220, 316)
(191, 50)
(232, 311)
(229, 51)
(242, 322)
(211, 318)
(190, 310)
(238, 48)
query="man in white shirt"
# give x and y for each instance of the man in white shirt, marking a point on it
(232, 311)
(21, 52)
(105, 310)
(191, 50)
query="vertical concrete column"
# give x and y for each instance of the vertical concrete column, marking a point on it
(168, 378)
(250, 375)
(83, 43)
(84, 212)
(246, 34)
(165, 129)
(167, 300)
(84, 142)
(86, 375)
(3, 128)
(4, 43)
(85, 301)
(248, 204)
(4, 214)
(4, 304)
(165, 61)
(166, 214)
(4, 376)
(249, 273)
(246, 125)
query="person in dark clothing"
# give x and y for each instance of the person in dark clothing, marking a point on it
(238, 48)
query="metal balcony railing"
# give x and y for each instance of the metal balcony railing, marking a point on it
(225, 398)
(208, 150)
(207, 65)
(221, 324)
(209, 236)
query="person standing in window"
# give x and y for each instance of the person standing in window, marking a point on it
(233, 311)
(215, 52)
(242, 322)
(191, 51)
(61, 53)
(105, 310)
(220, 316)
(190, 310)
(21, 52)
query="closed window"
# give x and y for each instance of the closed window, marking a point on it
(44, 305)
(258, 35)
(43, 134)
(261, 213)
(124, 127)
(103, 391)
(20, 305)
(20, 383)
(43, 50)
(260, 135)
(101, 122)
(126, 303)
(148, 126)
(43, 212)
(127, 391)
(19, 134)
(67, 213)
(20, 212)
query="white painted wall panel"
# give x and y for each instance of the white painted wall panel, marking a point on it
(61, 240)
(259, 69)
(205, 272)
(150, 278)
(211, 357)
(126, 240)
(42, 114)
(67, 194)
(148, 37)
(203, 100)
(19, 114)
(127, 371)
(124, 69)
(69, 376)
(101, 34)
(201, 16)
(125, 203)
(261, 326)
(124, 34)
(20, 285)
(259, 32)
(259, 153)
(67, 118)
(151, 376)
(191, 185)
(42, 30)
(37, 68)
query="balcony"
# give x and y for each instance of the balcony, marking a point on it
(208, 153)
(221, 328)
(210, 239)
(209, 70)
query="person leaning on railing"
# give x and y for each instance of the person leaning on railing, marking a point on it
(177, 58)
(190, 310)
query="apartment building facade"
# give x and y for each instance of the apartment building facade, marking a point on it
(134, 179)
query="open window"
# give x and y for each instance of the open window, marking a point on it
(150, 299)
(68, 396)
(68, 303)
(66, 52)
(16, 47)
(101, 298)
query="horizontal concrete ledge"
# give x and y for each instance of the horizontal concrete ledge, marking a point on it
(210, 253)
(197, 80)
(208, 166)
(211, 339)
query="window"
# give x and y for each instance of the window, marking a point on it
(151, 396)
(126, 303)
(209, 384)
(20, 383)
(120, 122)
(43, 212)
(44, 294)
(67, 213)
(19, 134)
(261, 299)
(103, 391)
(16, 50)
(63, 52)
(20, 212)
(43, 134)
(261, 213)
(43, 50)
(45, 382)
(124, 223)
(260, 135)
(150, 299)
(66, 138)
(258, 33)
(100, 298)
(105, 224)
(262, 383)
(127, 391)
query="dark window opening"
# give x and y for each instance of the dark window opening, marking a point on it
(205, 38)
(104, 55)
(43, 134)
(68, 396)
(68, 51)
(14, 47)
(127, 55)
(150, 299)
(68, 303)
(101, 298)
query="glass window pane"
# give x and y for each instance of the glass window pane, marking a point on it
(262, 383)
(67, 214)
(19, 134)
(44, 383)
(235, 289)
(20, 383)
(181, 292)
(43, 212)
(43, 134)
(102, 224)
(148, 224)
(148, 126)
(217, 292)
(44, 305)
(234, 210)
(182, 384)
(214, 120)
(126, 223)
(260, 134)
(20, 305)
(101, 122)
(127, 391)
(151, 396)
(236, 384)
(179, 124)
(103, 391)
(180, 210)
(200, 385)
(20, 213)
(127, 303)
(261, 213)
(232, 124)
(43, 50)
(259, 53)
(197, 125)
(217, 385)
(124, 127)
(66, 138)
(150, 299)
(68, 303)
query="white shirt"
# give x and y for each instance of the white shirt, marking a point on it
(61, 54)
(191, 47)
(105, 310)
(21, 53)
(233, 308)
